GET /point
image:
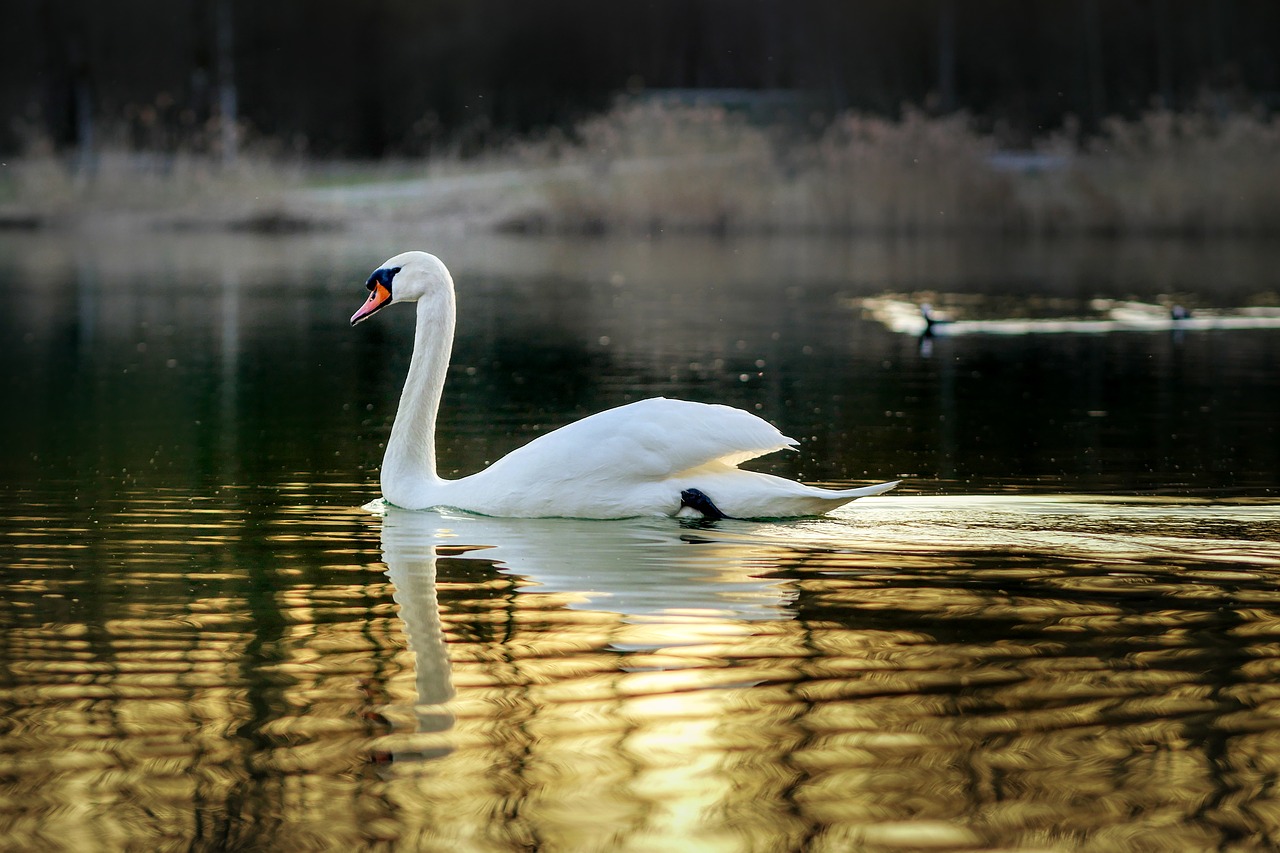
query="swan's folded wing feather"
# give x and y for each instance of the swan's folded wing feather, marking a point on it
(656, 438)
(677, 435)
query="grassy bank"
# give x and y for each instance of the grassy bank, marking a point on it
(702, 169)
(671, 169)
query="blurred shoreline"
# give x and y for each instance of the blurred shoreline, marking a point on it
(654, 169)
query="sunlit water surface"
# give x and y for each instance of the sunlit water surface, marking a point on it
(1063, 632)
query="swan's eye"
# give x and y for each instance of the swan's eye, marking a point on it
(383, 277)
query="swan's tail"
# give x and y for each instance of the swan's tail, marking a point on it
(865, 491)
(821, 501)
(778, 498)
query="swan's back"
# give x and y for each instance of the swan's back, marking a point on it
(647, 440)
(622, 461)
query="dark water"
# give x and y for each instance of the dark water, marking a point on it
(1062, 632)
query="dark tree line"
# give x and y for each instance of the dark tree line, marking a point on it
(384, 76)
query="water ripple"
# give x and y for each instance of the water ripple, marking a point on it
(915, 672)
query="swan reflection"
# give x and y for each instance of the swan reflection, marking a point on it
(662, 589)
(411, 566)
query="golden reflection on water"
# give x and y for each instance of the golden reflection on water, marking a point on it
(915, 674)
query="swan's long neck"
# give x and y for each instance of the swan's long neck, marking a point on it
(409, 465)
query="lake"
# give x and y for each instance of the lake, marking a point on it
(1062, 631)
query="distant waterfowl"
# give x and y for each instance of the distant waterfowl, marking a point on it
(931, 320)
(652, 457)
(906, 317)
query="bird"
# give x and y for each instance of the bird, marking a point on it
(653, 457)
(931, 320)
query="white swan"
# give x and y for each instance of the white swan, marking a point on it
(653, 457)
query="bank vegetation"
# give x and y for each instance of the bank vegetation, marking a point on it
(654, 168)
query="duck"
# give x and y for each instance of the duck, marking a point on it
(932, 320)
(652, 457)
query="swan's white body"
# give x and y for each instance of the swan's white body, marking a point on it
(634, 460)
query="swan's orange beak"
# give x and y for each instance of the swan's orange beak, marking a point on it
(378, 297)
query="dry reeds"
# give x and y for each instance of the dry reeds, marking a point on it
(662, 168)
(174, 182)
(655, 168)
(1169, 174)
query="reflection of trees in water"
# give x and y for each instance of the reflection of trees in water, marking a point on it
(228, 360)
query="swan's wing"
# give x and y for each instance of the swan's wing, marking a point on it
(680, 435)
(651, 440)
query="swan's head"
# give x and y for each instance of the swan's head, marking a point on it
(407, 277)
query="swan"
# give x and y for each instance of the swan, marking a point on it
(648, 458)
